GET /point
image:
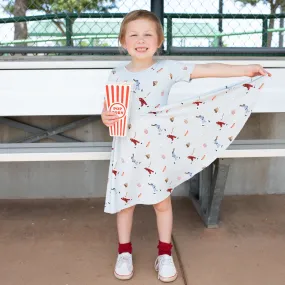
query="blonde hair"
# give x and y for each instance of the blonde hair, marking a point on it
(141, 14)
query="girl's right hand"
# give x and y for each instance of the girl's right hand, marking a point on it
(108, 118)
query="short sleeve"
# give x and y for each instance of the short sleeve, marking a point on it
(112, 75)
(180, 71)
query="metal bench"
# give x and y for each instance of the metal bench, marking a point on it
(84, 96)
(207, 187)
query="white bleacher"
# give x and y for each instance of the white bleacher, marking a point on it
(67, 88)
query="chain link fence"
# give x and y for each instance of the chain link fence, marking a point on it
(187, 24)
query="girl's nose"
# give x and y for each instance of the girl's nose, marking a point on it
(141, 39)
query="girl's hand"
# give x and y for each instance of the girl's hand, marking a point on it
(252, 70)
(108, 118)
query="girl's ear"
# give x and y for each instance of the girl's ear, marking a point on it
(160, 44)
(123, 44)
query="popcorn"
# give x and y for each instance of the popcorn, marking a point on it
(118, 101)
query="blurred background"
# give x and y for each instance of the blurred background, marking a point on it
(96, 23)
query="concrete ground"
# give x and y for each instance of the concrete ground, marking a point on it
(73, 242)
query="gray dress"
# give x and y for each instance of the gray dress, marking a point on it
(167, 144)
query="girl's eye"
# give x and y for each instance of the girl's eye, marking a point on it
(148, 35)
(133, 35)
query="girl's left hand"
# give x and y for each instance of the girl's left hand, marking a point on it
(252, 70)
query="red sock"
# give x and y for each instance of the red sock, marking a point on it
(125, 247)
(164, 248)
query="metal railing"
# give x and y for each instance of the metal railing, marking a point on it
(169, 50)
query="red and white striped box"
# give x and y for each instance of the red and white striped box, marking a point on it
(118, 101)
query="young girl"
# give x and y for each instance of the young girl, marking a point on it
(161, 150)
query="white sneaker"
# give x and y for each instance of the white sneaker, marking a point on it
(166, 269)
(124, 266)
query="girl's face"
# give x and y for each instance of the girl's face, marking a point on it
(141, 39)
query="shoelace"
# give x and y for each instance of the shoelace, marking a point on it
(162, 261)
(124, 258)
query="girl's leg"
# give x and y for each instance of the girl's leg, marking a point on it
(164, 263)
(164, 219)
(124, 265)
(124, 224)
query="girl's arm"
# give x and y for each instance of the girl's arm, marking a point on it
(227, 70)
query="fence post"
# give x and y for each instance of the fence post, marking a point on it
(68, 31)
(169, 34)
(264, 32)
(157, 7)
(221, 6)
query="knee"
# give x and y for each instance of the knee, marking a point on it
(163, 206)
(128, 210)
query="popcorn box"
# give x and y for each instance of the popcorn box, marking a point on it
(118, 101)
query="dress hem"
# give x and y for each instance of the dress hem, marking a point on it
(134, 204)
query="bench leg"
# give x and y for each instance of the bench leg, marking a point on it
(207, 191)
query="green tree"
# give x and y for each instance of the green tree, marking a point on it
(20, 29)
(20, 8)
(274, 5)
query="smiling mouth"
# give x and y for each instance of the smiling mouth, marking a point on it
(141, 49)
